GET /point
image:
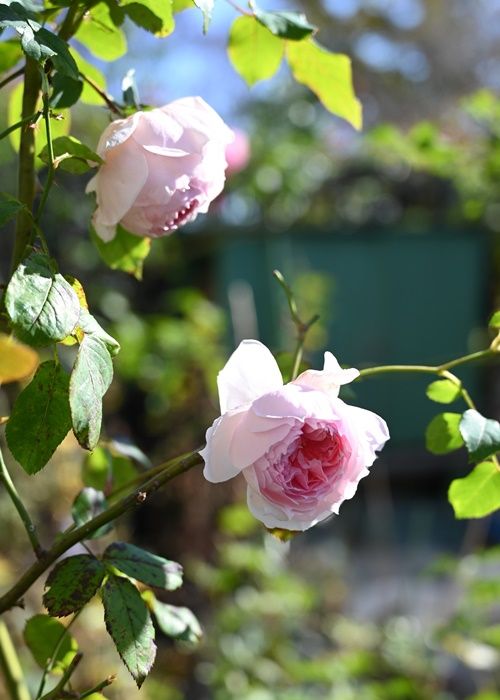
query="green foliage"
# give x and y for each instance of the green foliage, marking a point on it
(100, 35)
(443, 391)
(90, 379)
(42, 305)
(481, 435)
(144, 566)
(328, 75)
(287, 25)
(125, 252)
(10, 54)
(40, 418)
(178, 623)
(129, 624)
(442, 435)
(9, 208)
(494, 321)
(86, 506)
(43, 635)
(71, 155)
(254, 52)
(65, 91)
(96, 469)
(89, 95)
(155, 16)
(477, 494)
(72, 583)
(17, 361)
(92, 329)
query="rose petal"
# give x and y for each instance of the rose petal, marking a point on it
(250, 372)
(330, 378)
(254, 436)
(295, 401)
(218, 464)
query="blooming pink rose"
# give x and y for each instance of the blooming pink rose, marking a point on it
(161, 168)
(301, 449)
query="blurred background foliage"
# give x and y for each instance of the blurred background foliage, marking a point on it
(392, 236)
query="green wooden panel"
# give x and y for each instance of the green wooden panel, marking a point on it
(394, 299)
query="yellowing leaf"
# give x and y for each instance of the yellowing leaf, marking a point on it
(17, 360)
(254, 52)
(328, 75)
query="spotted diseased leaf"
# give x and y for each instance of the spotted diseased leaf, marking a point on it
(478, 493)
(72, 583)
(481, 435)
(287, 25)
(43, 635)
(255, 53)
(90, 379)
(144, 566)
(129, 624)
(41, 418)
(443, 435)
(89, 503)
(328, 75)
(42, 305)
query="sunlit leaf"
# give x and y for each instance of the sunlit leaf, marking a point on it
(71, 155)
(144, 566)
(494, 321)
(42, 635)
(125, 252)
(442, 434)
(478, 493)
(287, 25)
(443, 391)
(99, 34)
(156, 16)
(72, 583)
(129, 624)
(89, 95)
(254, 52)
(481, 435)
(328, 75)
(178, 623)
(10, 54)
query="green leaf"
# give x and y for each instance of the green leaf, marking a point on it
(179, 623)
(144, 566)
(90, 379)
(9, 208)
(72, 583)
(206, 6)
(477, 494)
(89, 503)
(328, 75)
(494, 321)
(481, 435)
(96, 469)
(180, 5)
(443, 391)
(42, 635)
(71, 155)
(40, 418)
(124, 471)
(129, 624)
(125, 252)
(61, 58)
(287, 25)
(100, 36)
(10, 54)
(41, 304)
(155, 16)
(65, 91)
(254, 52)
(91, 328)
(442, 434)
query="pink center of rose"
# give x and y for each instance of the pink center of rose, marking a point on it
(306, 470)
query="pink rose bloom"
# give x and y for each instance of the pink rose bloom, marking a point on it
(301, 449)
(161, 168)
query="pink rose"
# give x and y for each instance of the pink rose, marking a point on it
(301, 449)
(161, 168)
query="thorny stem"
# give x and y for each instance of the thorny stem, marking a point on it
(12, 670)
(97, 688)
(50, 150)
(31, 120)
(19, 506)
(68, 539)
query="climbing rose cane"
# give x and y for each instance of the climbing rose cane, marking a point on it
(161, 168)
(301, 449)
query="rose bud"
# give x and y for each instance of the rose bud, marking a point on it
(161, 168)
(301, 449)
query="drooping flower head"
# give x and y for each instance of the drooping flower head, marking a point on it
(161, 168)
(301, 449)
